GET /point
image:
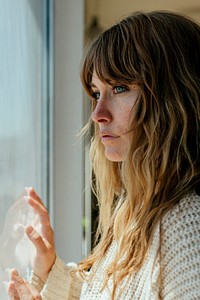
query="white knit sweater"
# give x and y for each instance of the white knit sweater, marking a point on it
(171, 273)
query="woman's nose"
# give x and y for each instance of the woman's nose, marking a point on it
(101, 113)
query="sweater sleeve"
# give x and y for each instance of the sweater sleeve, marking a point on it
(180, 251)
(60, 284)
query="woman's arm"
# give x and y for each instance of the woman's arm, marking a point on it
(62, 283)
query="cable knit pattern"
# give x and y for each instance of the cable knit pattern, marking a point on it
(170, 272)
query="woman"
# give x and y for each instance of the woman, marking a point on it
(143, 78)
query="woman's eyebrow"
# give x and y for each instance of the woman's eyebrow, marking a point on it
(91, 84)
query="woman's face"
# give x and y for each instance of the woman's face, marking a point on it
(114, 103)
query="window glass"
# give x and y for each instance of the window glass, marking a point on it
(23, 123)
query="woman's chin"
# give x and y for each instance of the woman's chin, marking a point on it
(114, 156)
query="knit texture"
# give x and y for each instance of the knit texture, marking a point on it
(171, 270)
(60, 284)
(180, 251)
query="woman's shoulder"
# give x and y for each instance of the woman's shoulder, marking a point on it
(180, 248)
(183, 215)
(180, 227)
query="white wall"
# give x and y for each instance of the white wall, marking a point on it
(110, 11)
(68, 156)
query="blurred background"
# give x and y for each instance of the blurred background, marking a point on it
(109, 11)
(43, 107)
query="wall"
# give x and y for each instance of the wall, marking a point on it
(110, 11)
(68, 162)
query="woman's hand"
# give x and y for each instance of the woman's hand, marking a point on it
(20, 289)
(44, 243)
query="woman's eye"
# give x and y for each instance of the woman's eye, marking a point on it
(119, 89)
(95, 95)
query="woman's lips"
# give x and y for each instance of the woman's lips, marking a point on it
(105, 137)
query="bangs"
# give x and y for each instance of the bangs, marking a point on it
(103, 57)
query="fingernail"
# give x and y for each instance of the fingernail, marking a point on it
(12, 285)
(15, 273)
(29, 230)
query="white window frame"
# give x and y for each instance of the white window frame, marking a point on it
(67, 195)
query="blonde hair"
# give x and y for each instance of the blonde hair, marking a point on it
(159, 51)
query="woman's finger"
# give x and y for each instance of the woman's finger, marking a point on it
(32, 193)
(12, 292)
(45, 253)
(36, 203)
(23, 291)
(44, 219)
(36, 239)
(40, 209)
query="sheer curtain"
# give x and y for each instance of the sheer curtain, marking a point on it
(23, 116)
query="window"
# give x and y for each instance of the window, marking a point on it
(25, 106)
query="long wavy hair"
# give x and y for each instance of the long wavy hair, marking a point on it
(161, 52)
